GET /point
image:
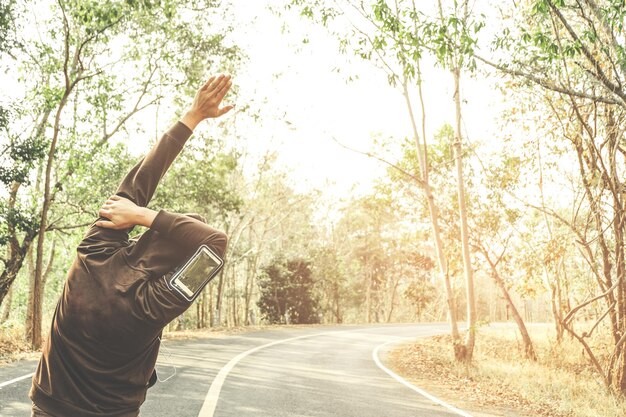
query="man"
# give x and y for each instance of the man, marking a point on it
(99, 357)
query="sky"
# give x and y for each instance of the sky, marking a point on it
(314, 106)
(322, 107)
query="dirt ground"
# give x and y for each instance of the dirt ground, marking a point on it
(425, 364)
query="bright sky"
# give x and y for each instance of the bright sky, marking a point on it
(320, 104)
(314, 103)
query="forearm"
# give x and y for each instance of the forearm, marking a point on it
(145, 216)
(141, 182)
(191, 119)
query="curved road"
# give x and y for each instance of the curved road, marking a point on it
(297, 372)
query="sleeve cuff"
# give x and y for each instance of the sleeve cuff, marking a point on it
(162, 222)
(180, 133)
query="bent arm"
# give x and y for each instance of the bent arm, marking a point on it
(188, 233)
(159, 303)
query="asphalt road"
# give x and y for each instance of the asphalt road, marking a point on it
(297, 372)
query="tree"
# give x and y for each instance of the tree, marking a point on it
(568, 53)
(286, 288)
(330, 273)
(453, 41)
(81, 101)
(393, 37)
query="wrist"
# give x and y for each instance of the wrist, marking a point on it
(145, 216)
(191, 119)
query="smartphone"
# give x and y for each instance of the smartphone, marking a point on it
(201, 268)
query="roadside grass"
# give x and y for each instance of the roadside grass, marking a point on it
(13, 346)
(561, 383)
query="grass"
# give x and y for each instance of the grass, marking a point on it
(13, 346)
(560, 384)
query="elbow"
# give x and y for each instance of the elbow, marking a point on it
(218, 241)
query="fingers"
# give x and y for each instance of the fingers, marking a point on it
(106, 224)
(215, 81)
(218, 84)
(222, 92)
(225, 110)
(103, 212)
(208, 83)
(112, 200)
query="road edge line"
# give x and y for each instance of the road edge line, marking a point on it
(210, 401)
(14, 380)
(407, 384)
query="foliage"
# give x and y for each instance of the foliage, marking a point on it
(286, 292)
(199, 182)
(421, 291)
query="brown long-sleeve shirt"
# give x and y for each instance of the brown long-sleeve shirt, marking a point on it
(104, 340)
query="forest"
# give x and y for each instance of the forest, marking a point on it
(500, 197)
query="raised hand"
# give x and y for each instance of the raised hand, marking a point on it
(207, 101)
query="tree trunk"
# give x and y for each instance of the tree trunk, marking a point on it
(466, 354)
(35, 299)
(211, 312)
(234, 295)
(393, 299)
(250, 281)
(218, 299)
(35, 334)
(433, 210)
(368, 296)
(529, 351)
(30, 262)
(6, 306)
(337, 302)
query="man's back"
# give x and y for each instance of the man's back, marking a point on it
(99, 357)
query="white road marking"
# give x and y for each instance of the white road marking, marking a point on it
(408, 384)
(14, 380)
(210, 402)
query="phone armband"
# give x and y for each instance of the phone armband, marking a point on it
(196, 273)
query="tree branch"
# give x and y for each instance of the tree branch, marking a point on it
(392, 165)
(546, 83)
(599, 73)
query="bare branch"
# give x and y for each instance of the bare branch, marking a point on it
(586, 303)
(548, 84)
(391, 164)
(599, 73)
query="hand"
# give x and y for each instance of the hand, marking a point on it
(121, 212)
(207, 102)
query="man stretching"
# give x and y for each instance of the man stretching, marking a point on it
(104, 340)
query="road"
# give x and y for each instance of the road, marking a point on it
(297, 372)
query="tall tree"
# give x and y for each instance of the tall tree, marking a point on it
(393, 38)
(569, 52)
(76, 73)
(453, 39)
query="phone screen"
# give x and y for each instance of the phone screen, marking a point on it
(197, 272)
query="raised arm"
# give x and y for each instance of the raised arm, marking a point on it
(139, 185)
(141, 182)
